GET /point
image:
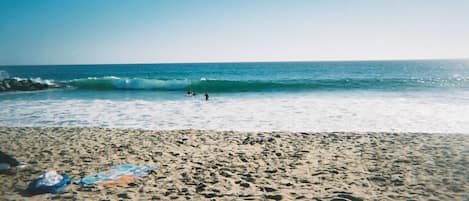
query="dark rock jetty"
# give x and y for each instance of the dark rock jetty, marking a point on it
(9, 84)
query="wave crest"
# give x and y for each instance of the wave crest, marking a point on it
(116, 83)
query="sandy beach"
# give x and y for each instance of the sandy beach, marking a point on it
(226, 165)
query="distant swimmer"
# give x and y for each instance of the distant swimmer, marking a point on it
(206, 96)
(193, 94)
(189, 93)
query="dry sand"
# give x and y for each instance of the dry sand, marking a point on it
(212, 165)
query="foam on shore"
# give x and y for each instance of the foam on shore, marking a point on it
(317, 113)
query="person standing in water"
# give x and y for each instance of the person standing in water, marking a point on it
(206, 96)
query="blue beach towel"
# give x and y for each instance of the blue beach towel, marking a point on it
(115, 173)
(50, 182)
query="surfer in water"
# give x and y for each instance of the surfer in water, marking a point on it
(206, 96)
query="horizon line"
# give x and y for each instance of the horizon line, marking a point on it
(258, 61)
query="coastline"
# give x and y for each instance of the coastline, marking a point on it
(229, 165)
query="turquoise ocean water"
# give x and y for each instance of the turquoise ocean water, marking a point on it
(415, 96)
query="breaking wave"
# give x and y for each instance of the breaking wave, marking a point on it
(222, 86)
(214, 85)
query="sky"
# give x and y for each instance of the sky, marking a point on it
(172, 31)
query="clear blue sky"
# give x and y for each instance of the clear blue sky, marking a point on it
(151, 31)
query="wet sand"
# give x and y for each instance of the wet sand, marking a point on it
(225, 165)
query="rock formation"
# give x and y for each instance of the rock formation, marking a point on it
(21, 85)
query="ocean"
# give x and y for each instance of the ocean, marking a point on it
(362, 96)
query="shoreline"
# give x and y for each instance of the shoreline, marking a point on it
(231, 165)
(235, 131)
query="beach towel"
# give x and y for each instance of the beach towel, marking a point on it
(117, 175)
(50, 182)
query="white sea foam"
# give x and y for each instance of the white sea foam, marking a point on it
(43, 81)
(4, 74)
(301, 113)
